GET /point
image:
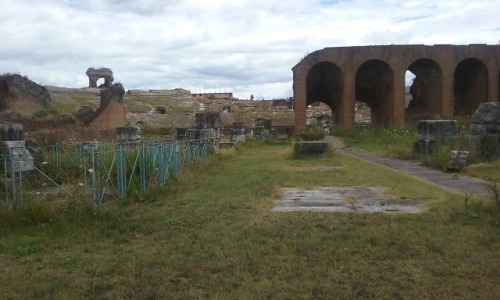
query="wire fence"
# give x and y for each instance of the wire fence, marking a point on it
(93, 172)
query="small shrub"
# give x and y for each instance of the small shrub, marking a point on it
(44, 113)
(155, 131)
(314, 133)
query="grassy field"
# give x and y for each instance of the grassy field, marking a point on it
(211, 234)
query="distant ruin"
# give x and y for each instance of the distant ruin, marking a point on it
(96, 74)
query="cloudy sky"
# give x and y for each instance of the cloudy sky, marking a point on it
(240, 46)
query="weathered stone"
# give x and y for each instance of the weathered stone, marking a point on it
(12, 132)
(88, 147)
(483, 137)
(19, 158)
(432, 132)
(238, 135)
(238, 125)
(458, 160)
(96, 74)
(111, 112)
(273, 135)
(15, 89)
(311, 148)
(259, 132)
(85, 114)
(208, 120)
(208, 134)
(438, 130)
(266, 123)
(127, 135)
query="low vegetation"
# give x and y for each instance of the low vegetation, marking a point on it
(398, 143)
(211, 234)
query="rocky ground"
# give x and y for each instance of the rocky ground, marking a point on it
(177, 108)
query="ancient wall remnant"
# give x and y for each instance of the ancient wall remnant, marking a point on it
(111, 112)
(449, 80)
(96, 74)
(483, 136)
(21, 95)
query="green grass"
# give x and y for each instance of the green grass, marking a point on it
(211, 234)
(398, 143)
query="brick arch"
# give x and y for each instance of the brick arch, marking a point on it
(324, 84)
(439, 61)
(470, 86)
(426, 89)
(374, 86)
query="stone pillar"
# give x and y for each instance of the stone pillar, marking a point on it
(19, 159)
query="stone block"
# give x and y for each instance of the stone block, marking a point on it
(126, 135)
(432, 132)
(12, 132)
(424, 147)
(238, 136)
(483, 136)
(19, 159)
(458, 160)
(208, 120)
(437, 130)
(311, 148)
(88, 147)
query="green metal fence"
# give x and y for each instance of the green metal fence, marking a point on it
(95, 173)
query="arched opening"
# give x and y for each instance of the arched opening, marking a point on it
(374, 86)
(324, 85)
(319, 114)
(100, 82)
(470, 86)
(426, 90)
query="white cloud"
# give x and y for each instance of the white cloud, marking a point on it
(247, 47)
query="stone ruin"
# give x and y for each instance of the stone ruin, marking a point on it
(238, 132)
(16, 89)
(96, 74)
(432, 132)
(13, 143)
(128, 135)
(208, 126)
(483, 136)
(262, 128)
(111, 112)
